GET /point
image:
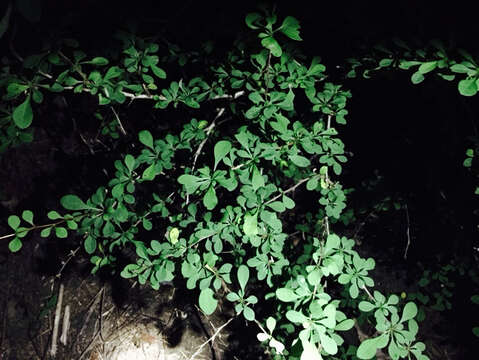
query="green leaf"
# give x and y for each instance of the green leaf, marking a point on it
(232, 296)
(345, 325)
(100, 61)
(207, 302)
(251, 19)
(277, 206)
(113, 72)
(328, 344)
(250, 226)
(253, 112)
(14, 221)
(61, 232)
(288, 202)
(417, 77)
(248, 313)
(23, 115)
(210, 200)
(243, 276)
(45, 232)
(272, 45)
(290, 28)
(190, 182)
(15, 244)
(409, 312)
(222, 148)
(27, 215)
(56, 87)
(37, 96)
(467, 87)
(15, 89)
(405, 65)
(90, 244)
(160, 73)
(255, 97)
(310, 352)
(130, 162)
(146, 138)
(475, 299)
(460, 69)
(286, 295)
(299, 160)
(174, 235)
(150, 172)
(287, 103)
(427, 67)
(270, 323)
(295, 316)
(257, 180)
(367, 349)
(312, 183)
(366, 306)
(128, 271)
(147, 224)
(73, 202)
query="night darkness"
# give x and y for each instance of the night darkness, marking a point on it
(414, 137)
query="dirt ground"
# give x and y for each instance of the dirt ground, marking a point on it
(107, 319)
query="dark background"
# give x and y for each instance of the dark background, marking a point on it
(414, 136)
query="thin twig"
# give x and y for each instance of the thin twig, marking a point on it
(287, 190)
(209, 129)
(118, 120)
(326, 177)
(100, 316)
(212, 338)
(407, 233)
(226, 96)
(369, 294)
(91, 307)
(92, 341)
(64, 263)
(98, 332)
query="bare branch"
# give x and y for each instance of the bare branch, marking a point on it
(118, 120)
(287, 191)
(212, 338)
(407, 234)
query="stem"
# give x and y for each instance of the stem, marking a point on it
(369, 294)
(35, 227)
(118, 120)
(326, 175)
(407, 233)
(84, 77)
(287, 191)
(209, 129)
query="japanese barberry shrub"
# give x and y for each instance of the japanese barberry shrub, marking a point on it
(217, 201)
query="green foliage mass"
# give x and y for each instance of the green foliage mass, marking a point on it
(222, 216)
